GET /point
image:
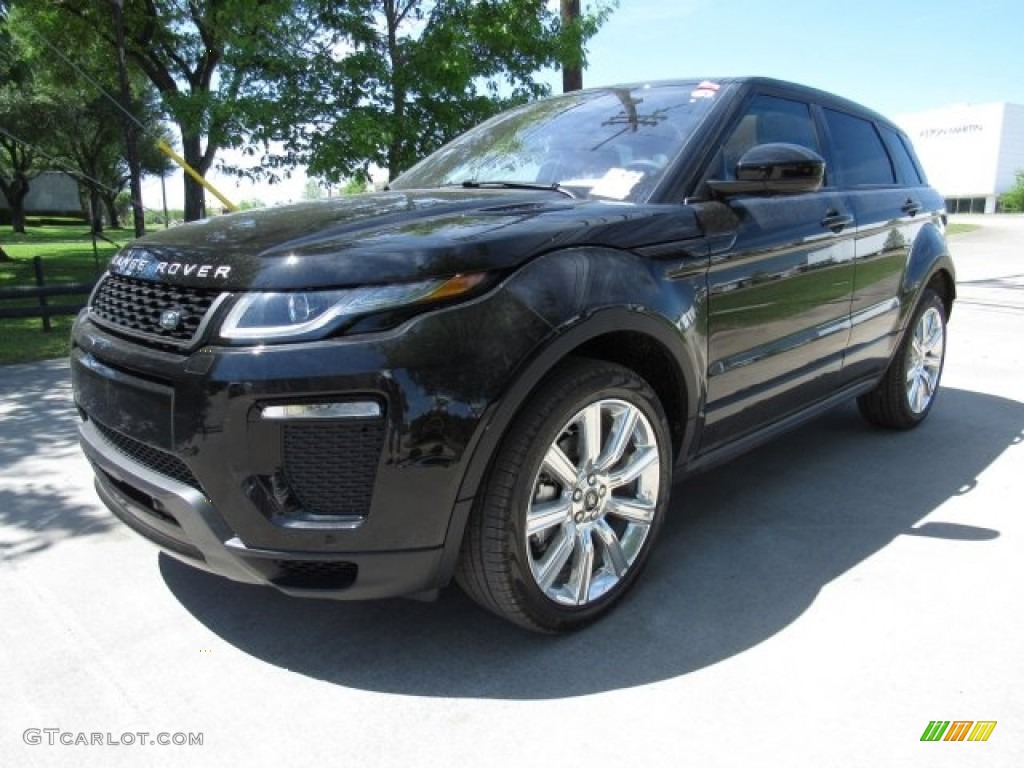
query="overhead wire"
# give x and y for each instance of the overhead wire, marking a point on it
(116, 102)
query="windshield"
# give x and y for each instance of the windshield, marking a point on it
(614, 144)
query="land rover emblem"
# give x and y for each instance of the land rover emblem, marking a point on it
(170, 319)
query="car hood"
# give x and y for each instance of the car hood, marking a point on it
(392, 236)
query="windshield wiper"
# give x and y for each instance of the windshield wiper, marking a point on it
(556, 187)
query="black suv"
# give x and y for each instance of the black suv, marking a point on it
(493, 370)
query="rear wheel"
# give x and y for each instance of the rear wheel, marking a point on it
(906, 393)
(574, 501)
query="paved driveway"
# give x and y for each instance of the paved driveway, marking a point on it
(815, 603)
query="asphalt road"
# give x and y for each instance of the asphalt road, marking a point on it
(815, 603)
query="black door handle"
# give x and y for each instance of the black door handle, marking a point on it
(836, 221)
(911, 207)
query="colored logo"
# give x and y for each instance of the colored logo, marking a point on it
(958, 730)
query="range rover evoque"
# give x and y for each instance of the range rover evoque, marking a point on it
(492, 371)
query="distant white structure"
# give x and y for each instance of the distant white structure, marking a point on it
(50, 192)
(970, 152)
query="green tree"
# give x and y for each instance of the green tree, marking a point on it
(419, 72)
(220, 66)
(89, 139)
(5, 62)
(1012, 201)
(26, 116)
(312, 191)
(340, 86)
(22, 114)
(354, 187)
(85, 138)
(6, 52)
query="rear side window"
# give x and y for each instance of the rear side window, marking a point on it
(857, 151)
(906, 170)
(767, 119)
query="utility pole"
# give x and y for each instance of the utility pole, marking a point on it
(572, 72)
(131, 139)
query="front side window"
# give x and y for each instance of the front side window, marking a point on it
(857, 151)
(615, 144)
(768, 120)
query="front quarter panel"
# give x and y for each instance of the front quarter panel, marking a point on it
(589, 293)
(585, 297)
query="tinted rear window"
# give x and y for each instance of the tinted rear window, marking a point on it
(857, 151)
(906, 170)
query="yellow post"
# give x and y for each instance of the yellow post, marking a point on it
(162, 146)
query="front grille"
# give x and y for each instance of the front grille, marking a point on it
(330, 468)
(161, 462)
(135, 306)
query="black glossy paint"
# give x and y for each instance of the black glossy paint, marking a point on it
(745, 311)
(390, 237)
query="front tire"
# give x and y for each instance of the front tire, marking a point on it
(573, 502)
(907, 392)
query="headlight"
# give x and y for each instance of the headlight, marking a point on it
(292, 315)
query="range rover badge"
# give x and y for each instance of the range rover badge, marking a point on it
(170, 319)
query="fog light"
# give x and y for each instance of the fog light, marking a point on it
(366, 409)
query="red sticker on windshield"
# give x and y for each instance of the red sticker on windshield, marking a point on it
(705, 90)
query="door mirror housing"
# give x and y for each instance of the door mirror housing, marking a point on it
(773, 169)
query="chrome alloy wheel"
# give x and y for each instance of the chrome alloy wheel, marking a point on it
(593, 502)
(924, 363)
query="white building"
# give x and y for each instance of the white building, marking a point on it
(52, 193)
(971, 152)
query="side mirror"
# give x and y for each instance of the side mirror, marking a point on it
(774, 169)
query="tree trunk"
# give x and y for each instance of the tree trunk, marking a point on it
(95, 210)
(16, 191)
(17, 218)
(113, 217)
(395, 154)
(398, 93)
(131, 138)
(195, 195)
(572, 72)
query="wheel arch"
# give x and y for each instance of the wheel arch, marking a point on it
(647, 357)
(944, 284)
(649, 345)
(929, 266)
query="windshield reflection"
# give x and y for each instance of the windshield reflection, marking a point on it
(613, 143)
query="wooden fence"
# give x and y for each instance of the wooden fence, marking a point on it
(42, 293)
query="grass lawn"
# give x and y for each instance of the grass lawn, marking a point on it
(959, 229)
(68, 257)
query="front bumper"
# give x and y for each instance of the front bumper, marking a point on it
(185, 453)
(184, 523)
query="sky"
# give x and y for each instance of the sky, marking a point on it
(894, 57)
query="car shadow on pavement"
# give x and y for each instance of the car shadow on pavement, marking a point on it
(746, 550)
